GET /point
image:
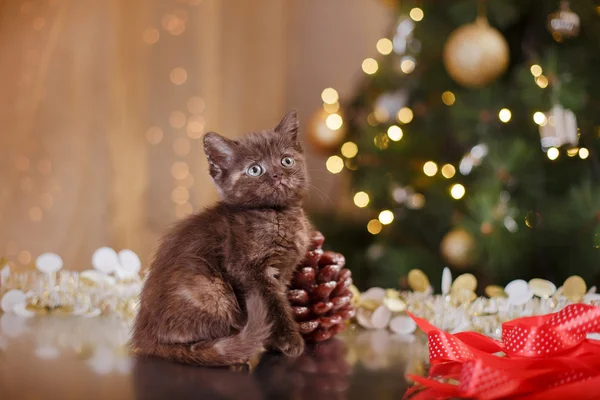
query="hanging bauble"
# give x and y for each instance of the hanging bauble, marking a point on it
(564, 22)
(457, 248)
(476, 54)
(326, 130)
(557, 127)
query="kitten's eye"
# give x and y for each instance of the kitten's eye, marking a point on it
(254, 170)
(287, 162)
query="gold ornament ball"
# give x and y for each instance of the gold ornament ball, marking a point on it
(476, 54)
(321, 136)
(457, 247)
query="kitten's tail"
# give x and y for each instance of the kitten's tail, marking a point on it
(236, 349)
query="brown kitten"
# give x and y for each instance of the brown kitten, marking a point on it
(215, 293)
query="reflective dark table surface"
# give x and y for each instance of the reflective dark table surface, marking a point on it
(64, 357)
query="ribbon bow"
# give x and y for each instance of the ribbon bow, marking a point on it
(543, 357)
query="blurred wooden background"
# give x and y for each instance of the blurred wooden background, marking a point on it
(103, 103)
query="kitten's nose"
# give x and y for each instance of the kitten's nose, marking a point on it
(275, 175)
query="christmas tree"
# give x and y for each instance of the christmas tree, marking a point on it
(472, 141)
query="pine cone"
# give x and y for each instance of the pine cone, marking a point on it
(319, 293)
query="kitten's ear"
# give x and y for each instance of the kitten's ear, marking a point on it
(289, 125)
(219, 152)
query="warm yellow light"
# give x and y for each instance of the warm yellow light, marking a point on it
(536, 70)
(584, 153)
(386, 217)
(539, 118)
(417, 201)
(372, 119)
(457, 191)
(374, 227)
(361, 199)
(385, 46)
(394, 132)
(329, 96)
(416, 14)
(448, 171)
(349, 149)
(448, 98)
(542, 81)
(405, 115)
(552, 153)
(334, 164)
(334, 121)
(504, 115)
(430, 168)
(381, 114)
(331, 108)
(407, 66)
(572, 152)
(370, 66)
(178, 76)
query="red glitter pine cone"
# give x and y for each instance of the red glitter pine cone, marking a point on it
(319, 293)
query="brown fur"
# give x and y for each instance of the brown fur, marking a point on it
(215, 293)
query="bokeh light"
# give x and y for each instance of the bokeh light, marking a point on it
(405, 115)
(334, 164)
(553, 153)
(394, 132)
(536, 70)
(504, 115)
(448, 98)
(349, 149)
(457, 191)
(539, 118)
(386, 217)
(430, 168)
(330, 96)
(370, 66)
(361, 199)
(448, 171)
(584, 153)
(416, 14)
(334, 121)
(374, 227)
(385, 46)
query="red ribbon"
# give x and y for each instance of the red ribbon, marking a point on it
(543, 357)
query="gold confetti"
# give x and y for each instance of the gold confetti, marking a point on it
(492, 291)
(542, 288)
(574, 288)
(417, 280)
(465, 281)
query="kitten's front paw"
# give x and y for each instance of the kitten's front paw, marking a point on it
(289, 343)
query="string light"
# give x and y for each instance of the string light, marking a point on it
(180, 170)
(536, 70)
(381, 114)
(457, 191)
(539, 118)
(349, 149)
(382, 141)
(584, 153)
(150, 36)
(416, 14)
(374, 227)
(448, 171)
(572, 152)
(370, 66)
(552, 153)
(195, 127)
(542, 81)
(504, 115)
(405, 115)
(178, 76)
(416, 201)
(448, 98)
(372, 119)
(334, 121)
(361, 199)
(196, 105)
(394, 132)
(385, 46)
(408, 65)
(430, 168)
(330, 96)
(334, 164)
(331, 108)
(386, 217)
(177, 119)
(180, 195)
